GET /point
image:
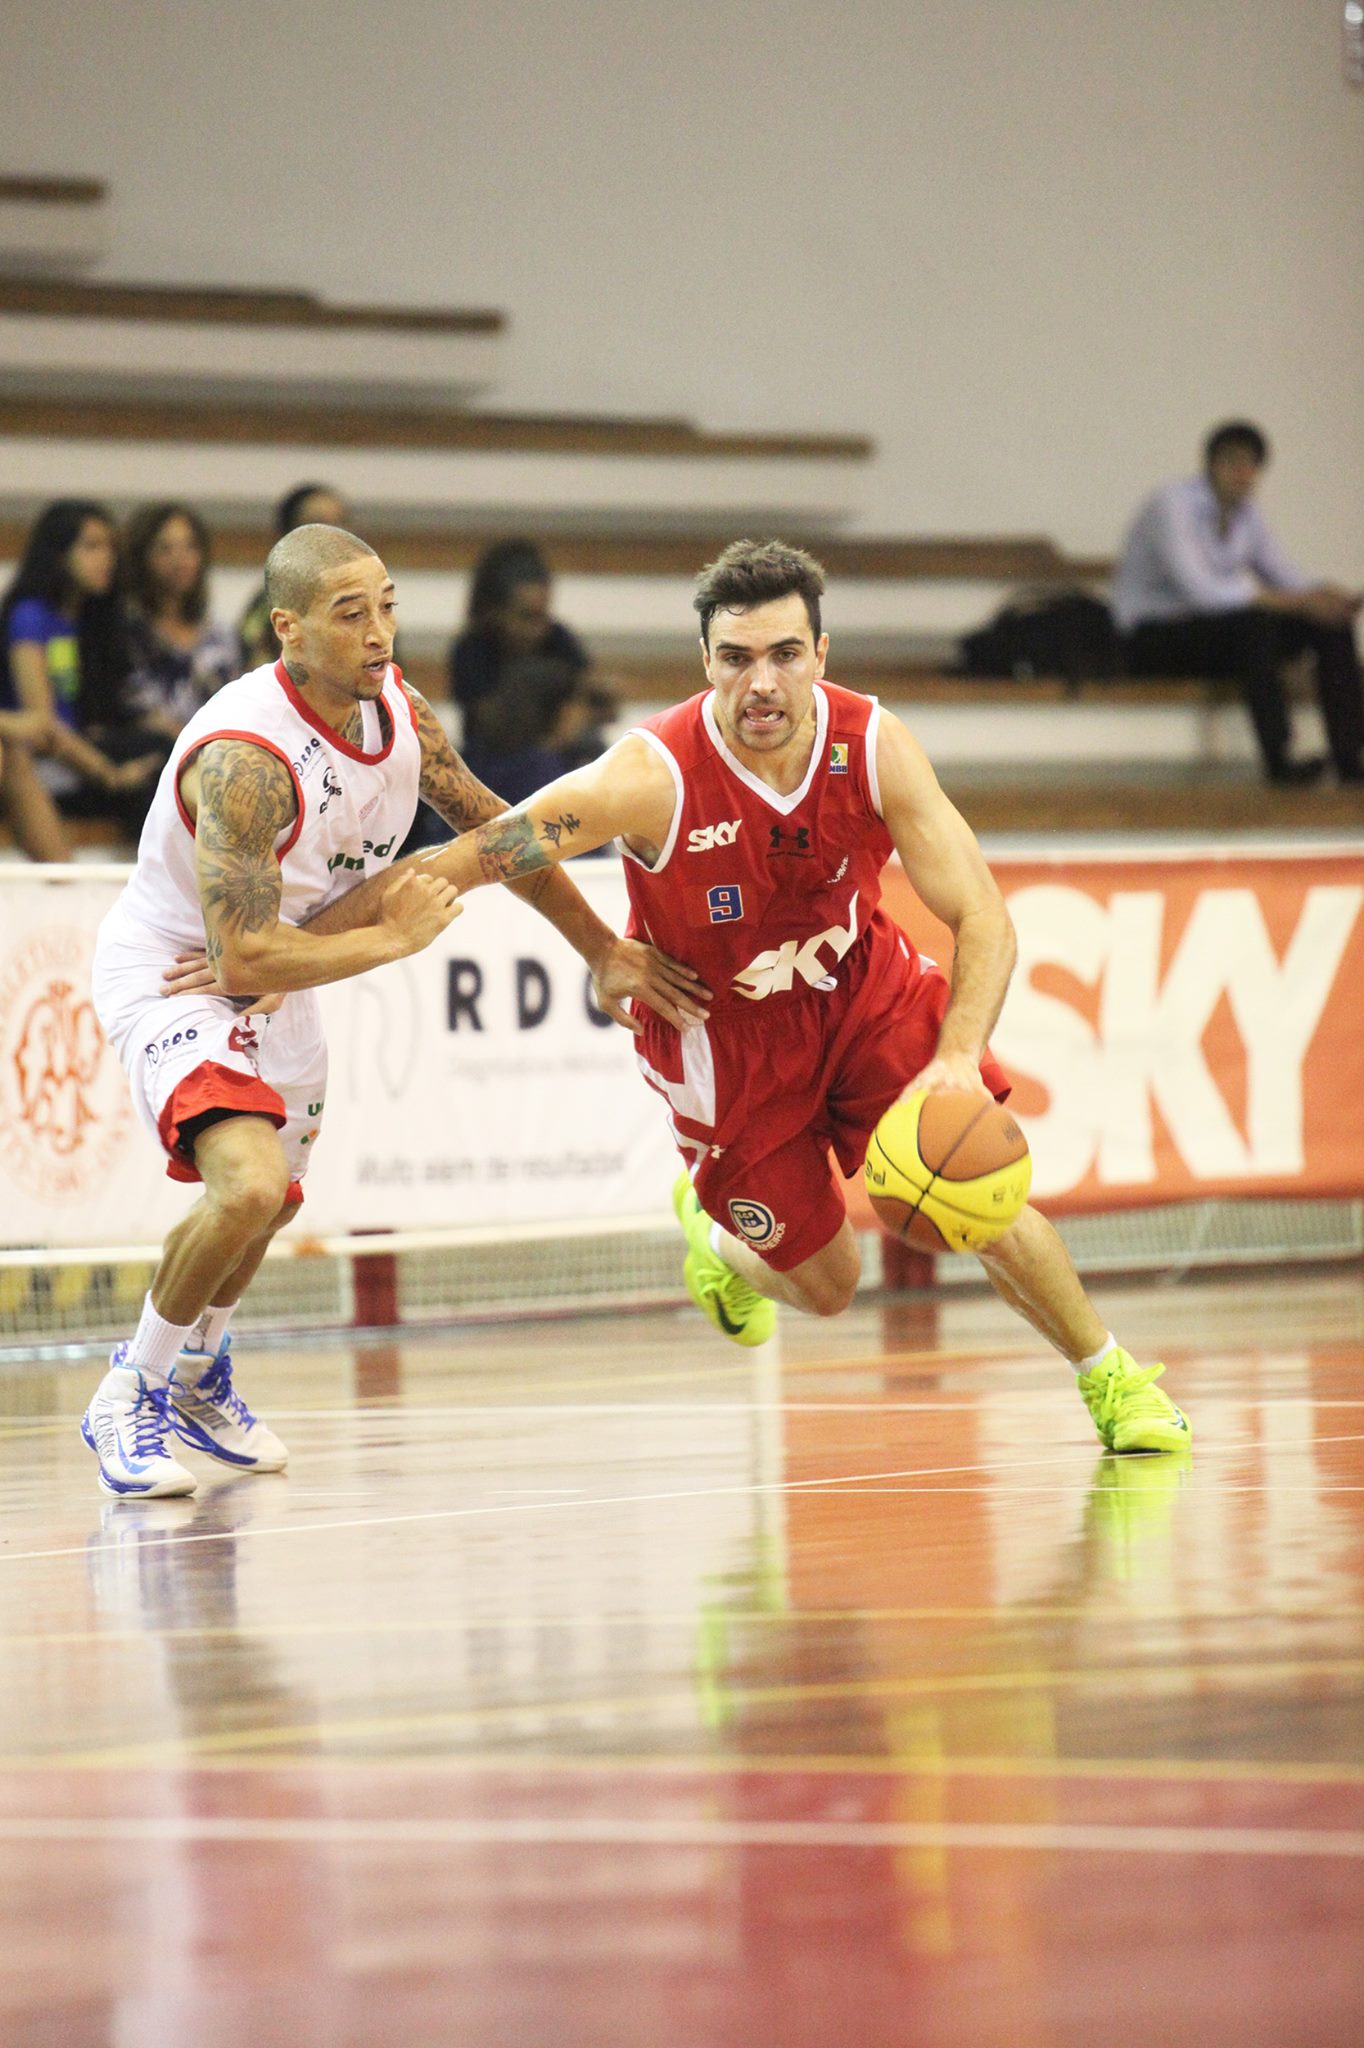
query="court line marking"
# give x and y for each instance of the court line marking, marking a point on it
(170, 1751)
(626, 1832)
(1230, 1771)
(873, 1482)
(1062, 1455)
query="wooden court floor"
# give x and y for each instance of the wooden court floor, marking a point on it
(594, 1685)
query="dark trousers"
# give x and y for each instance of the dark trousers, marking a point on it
(1252, 645)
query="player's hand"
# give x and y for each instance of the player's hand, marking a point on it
(949, 1070)
(191, 975)
(632, 969)
(418, 908)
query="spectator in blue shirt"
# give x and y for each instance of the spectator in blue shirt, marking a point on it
(62, 672)
(1203, 588)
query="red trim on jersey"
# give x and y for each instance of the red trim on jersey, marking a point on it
(329, 732)
(294, 1191)
(212, 1086)
(411, 707)
(267, 747)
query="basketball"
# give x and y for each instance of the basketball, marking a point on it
(947, 1172)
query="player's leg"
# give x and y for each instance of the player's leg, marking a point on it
(822, 1285)
(1030, 1269)
(130, 1417)
(210, 1414)
(790, 1242)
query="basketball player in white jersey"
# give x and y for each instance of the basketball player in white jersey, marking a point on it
(290, 785)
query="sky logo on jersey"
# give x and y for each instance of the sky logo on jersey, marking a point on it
(838, 757)
(725, 902)
(702, 838)
(756, 1224)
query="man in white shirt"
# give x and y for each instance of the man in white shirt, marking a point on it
(1203, 588)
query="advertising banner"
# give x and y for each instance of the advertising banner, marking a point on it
(1176, 1028)
(471, 1084)
(1182, 1027)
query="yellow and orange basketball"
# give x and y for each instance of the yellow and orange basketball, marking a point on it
(947, 1172)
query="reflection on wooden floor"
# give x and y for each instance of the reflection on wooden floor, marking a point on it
(592, 1685)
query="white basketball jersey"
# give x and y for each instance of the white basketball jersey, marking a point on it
(355, 803)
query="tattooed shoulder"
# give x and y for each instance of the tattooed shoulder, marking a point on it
(246, 796)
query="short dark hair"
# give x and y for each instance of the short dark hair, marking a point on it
(298, 561)
(752, 572)
(1234, 434)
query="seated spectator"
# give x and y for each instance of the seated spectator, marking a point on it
(521, 678)
(305, 505)
(70, 745)
(1203, 588)
(179, 655)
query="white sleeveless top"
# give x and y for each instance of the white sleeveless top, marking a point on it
(355, 803)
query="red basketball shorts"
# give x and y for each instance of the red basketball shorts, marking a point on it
(761, 1095)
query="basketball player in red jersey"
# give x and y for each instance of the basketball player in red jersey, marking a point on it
(755, 820)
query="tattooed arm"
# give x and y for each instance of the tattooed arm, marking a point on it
(241, 798)
(628, 792)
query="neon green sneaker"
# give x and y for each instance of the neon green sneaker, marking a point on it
(1129, 1410)
(744, 1315)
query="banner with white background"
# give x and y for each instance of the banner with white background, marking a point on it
(1179, 1025)
(471, 1084)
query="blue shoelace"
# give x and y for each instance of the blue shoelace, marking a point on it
(216, 1387)
(152, 1423)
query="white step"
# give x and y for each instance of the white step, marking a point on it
(451, 486)
(88, 355)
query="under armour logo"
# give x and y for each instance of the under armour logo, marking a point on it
(794, 842)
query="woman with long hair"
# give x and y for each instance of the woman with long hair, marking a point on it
(62, 674)
(179, 655)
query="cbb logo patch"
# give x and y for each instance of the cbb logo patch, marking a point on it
(756, 1224)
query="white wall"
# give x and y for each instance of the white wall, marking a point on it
(1033, 246)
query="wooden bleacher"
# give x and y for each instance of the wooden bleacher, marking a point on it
(623, 505)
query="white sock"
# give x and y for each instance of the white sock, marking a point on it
(1088, 1364)
(211, 1328)
(713, 1236)
(155, 1344)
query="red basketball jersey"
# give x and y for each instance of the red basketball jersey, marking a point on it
(764, 894)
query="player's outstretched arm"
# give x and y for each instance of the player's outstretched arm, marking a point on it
(627, 793)
(943, 860)
(242, 797)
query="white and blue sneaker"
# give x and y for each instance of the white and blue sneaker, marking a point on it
(126, 1426)
(208, 1414)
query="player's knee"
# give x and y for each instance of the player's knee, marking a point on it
(251, 1194)
(1010, 1243)
(829, 1292)
(832, 1301)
